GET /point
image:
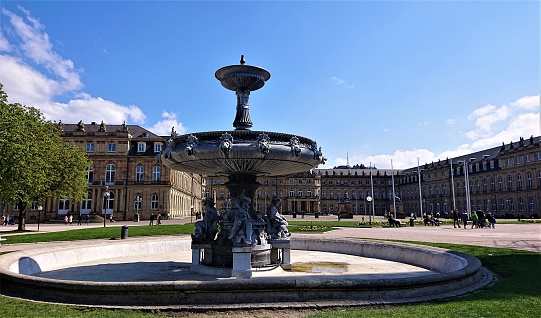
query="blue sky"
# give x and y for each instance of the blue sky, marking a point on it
(371, 80)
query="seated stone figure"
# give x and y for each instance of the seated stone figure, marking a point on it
(206, 229)
(277, 224)
(242, 226)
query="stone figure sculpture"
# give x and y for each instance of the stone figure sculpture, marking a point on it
(207, 228)
(277, 224)
(242, 226)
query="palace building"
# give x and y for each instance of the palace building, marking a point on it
(505, 181)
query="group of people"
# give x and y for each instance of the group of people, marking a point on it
(69, 219)
(479, 219)
(157, 217)
(7, 220)
(429, 219)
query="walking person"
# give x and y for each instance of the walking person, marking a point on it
(111, 218)
(65, 219)
(79, 219)
(151, 219)
(456, 219)
(474, 220)
(465, 219)
(87, 219)
(70, 219)
(491, 220)
(159, 218)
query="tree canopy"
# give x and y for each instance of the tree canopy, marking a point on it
(34, 161)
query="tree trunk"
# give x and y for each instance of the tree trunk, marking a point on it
(22, 216)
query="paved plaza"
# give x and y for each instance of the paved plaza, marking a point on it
(515, 236)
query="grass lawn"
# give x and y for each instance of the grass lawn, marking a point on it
(516, 292)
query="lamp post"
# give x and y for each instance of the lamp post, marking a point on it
(105, 199)
(369, 199)
(191, 214)
(39, 214)
(137, 201)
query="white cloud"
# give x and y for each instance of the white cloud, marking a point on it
(340, 82)
(33, 74)
(531, 103)
(514, 121)
(451, 121)
(164, 126)
(4, 44)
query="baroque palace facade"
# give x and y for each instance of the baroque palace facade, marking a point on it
(505, 181)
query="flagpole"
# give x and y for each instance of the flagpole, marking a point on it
(372, 191)
(394, 195)
(467, 181)
(420, 193)
(453, 185)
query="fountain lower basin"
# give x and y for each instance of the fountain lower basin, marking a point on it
(451, 274)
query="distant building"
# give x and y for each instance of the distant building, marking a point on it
(124, 162)
(505, 181)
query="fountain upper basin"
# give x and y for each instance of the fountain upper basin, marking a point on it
(224, 153)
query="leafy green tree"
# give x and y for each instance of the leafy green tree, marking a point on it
(34, 161)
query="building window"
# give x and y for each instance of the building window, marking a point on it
(517, 160)
(139, 174)
(500, 183)
(111, 147)
(300, 193)
(323, 195)
(509, 182)
(331, 195)
(90, 174)
(141, 147)
(89, 147)
(156, 171)
(309, 193)
(485, 185)
(110, 170)
(109, 203)
(532, 204)
(291, 193)
(492, 164)
(63, 205)
(538, 155)
(527, 158)
(508, 162)
(154, 202)
(519, 181)
(529, 180)
(521, 204)
(86, 204)
(157, 147)
(492, 184)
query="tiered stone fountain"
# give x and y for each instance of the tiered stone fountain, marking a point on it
(246, 238)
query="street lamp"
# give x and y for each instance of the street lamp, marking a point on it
(191, 214)
(105, 199)
(369, 199)
(137, 201)
(39, 214)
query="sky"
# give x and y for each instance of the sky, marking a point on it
(373, 82)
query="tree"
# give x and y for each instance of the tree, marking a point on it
(34, 162)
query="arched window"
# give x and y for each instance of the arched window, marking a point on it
(139, 174)
(110, 170)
